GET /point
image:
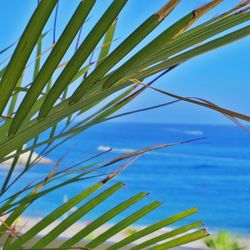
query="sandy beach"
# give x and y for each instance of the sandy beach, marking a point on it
(24, 223)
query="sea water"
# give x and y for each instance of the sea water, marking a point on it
(212, 173)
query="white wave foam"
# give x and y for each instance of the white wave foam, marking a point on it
(186, 132)
(193, 132)
(115, 150)
(126, 150)
(170, 154)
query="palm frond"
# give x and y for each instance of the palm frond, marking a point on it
(91, 85)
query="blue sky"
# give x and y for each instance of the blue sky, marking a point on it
(220, 76)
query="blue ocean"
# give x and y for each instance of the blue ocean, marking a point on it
(212, 174)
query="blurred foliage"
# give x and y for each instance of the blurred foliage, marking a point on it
(223, 241)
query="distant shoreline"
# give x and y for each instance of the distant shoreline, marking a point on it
(23, 158)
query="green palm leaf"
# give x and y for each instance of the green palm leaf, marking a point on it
(100, 87)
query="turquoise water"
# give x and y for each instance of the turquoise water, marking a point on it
(212, 174)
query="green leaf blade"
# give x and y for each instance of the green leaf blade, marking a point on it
(24, 49)
(152, 228)
(101, 220)
(52, 62)
(81, 55)
(123, 224)
(76, 216)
